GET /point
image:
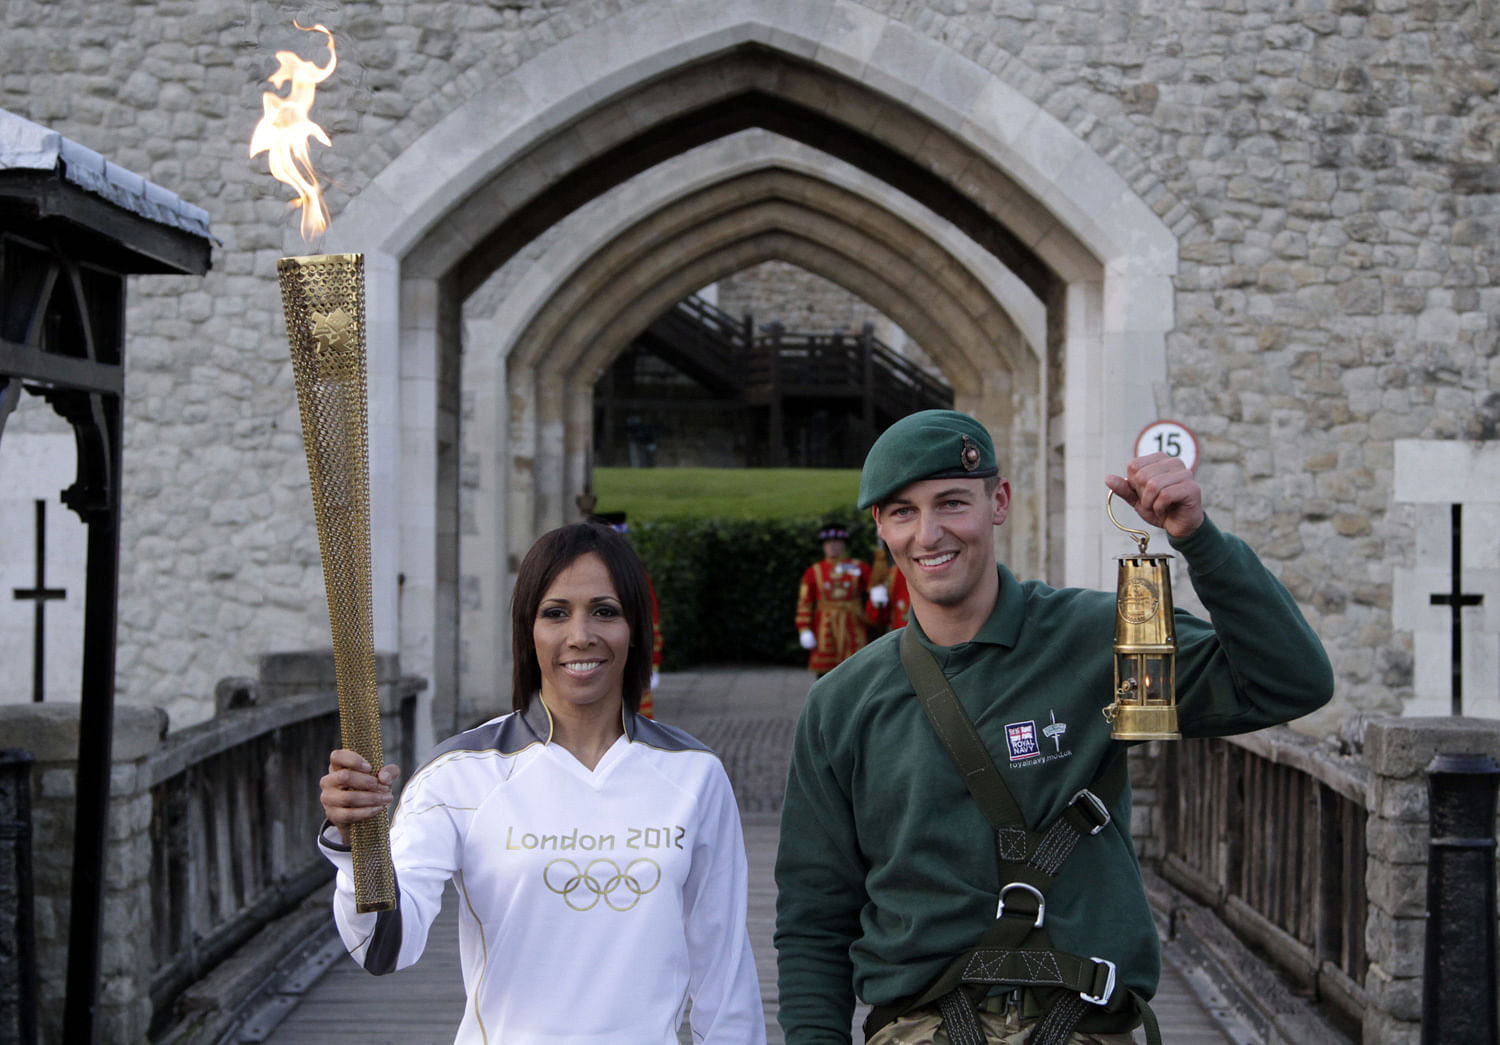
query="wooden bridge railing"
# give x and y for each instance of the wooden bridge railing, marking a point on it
(234, 812)
(211, 837)
(1269, 831)
(231, 814)
(1315, 854)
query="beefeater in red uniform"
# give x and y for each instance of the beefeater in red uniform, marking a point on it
(889, 602)
(831, 603)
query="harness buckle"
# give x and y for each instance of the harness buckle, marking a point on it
(1109, 984)
(1095, 806)
(1041, 903)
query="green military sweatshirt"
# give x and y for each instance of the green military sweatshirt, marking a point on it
(887, 868)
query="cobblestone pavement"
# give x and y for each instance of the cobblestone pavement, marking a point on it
(746, 716)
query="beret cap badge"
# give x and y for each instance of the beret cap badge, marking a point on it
(968, 454)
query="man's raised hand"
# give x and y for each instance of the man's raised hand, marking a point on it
(1163, 493)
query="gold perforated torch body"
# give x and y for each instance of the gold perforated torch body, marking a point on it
(323, 296)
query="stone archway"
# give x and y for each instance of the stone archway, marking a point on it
(602, 302)
(933, 127)
(698, 239)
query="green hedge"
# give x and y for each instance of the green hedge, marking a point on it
(727, 588)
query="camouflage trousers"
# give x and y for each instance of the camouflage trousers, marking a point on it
(1001, 1028)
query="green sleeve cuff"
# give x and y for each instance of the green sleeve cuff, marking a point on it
(1205, 548)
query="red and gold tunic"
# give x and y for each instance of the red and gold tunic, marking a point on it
(897, 607)
(831, 603)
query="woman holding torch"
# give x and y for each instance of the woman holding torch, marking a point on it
(597, 854)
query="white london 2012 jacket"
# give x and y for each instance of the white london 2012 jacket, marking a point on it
(593, 906)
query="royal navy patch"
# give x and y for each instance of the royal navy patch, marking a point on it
(1020, 738)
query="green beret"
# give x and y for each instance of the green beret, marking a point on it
(930, 444)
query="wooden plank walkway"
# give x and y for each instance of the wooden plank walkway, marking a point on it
(745, 715)
(421, 1005)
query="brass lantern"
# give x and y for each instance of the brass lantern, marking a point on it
(1145, 704)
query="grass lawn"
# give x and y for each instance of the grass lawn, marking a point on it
(644, 494)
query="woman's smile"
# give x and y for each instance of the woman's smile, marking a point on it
(582, 637)
(583, 667)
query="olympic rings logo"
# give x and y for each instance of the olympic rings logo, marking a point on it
(601, 879)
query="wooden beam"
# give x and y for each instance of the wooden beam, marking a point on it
(105, 233)
(59, 371)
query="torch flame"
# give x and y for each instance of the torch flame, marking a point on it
(283, 131)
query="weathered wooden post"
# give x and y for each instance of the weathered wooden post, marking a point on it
(1458, 994)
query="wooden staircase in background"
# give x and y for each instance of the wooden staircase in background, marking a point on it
(789, 398)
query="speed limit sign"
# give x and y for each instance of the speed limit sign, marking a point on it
(1168, 437)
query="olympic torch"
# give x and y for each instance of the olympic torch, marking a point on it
(323, 298)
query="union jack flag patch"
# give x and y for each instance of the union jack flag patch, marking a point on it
(1020, 737)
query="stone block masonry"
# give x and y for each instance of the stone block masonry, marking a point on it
(801, 301)
(1326, 170)
(50, 733)
(1398, 752)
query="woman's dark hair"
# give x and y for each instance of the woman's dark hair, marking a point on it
(554, 552)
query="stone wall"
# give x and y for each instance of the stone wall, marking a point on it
(1399, 754)
(1327, 169)
(50, 733)
(779, 292)
(34, 457)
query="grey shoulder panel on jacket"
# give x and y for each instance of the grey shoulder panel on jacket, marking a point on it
(507, 734)
(668, 738)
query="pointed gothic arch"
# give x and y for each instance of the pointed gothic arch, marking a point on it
(580, 119)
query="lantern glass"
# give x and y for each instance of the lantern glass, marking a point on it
(1156, 668)
(1143, 678)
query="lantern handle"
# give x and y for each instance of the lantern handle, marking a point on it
(1141, 537)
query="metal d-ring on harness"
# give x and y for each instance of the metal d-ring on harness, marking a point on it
(1015, 951)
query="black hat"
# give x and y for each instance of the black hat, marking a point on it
(614, 520)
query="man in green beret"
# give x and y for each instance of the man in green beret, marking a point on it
(889, 870)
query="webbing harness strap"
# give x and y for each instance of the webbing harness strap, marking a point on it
(959, 1019)
(1015, 950)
